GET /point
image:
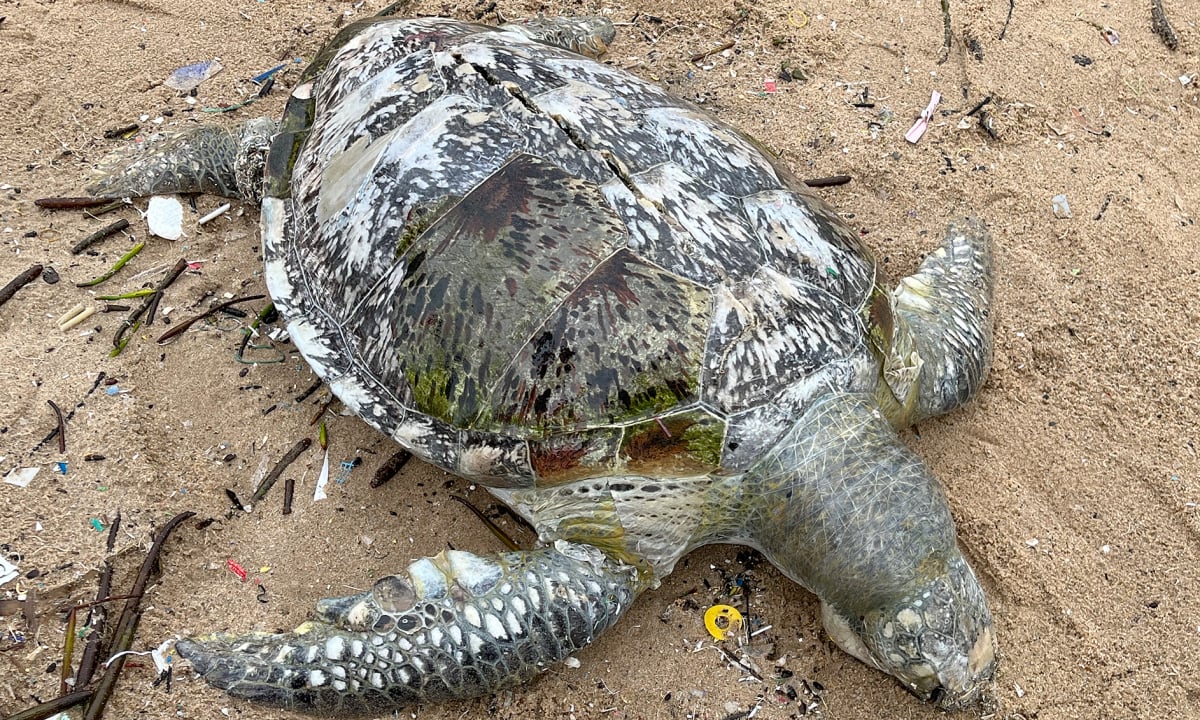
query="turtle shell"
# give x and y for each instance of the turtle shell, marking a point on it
(529, 267)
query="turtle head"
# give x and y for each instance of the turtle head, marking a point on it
(937, 638)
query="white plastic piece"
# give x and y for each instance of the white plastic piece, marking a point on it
(164, 216)
(21, 476)
(322, 480)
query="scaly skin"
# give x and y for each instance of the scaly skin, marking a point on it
(839, 505)
(206, 159)
(826, 506)
(455, 626)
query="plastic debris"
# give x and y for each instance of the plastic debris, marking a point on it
(769, 86)
(214, 215)
(189, 77)
(236, 569)
(572, 662)
(164, 216)
(722, 620)
(21, 476)
(8, 571)
(344, 472)
(322, 480)
(62, 468)
(922, 124)
(1062, 209)
(1110, 35)
(96, 524)
(262, 77)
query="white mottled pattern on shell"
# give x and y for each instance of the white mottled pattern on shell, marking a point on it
(412, 113)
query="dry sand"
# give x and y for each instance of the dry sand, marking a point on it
(1074, 478)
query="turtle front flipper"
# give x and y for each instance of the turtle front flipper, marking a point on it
(942, 344)
(204, 159)
(455, 626)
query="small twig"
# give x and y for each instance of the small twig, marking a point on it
(184, 325)
(50, 708)
(1007, 20)
(390, 467)
(50, 435)
(163, 284)
(99, 235)
(831, 181)
(288, 459)
(112, 533)
(98, 616)
(71, 203)
(499, 533)
(121, 342)
(113, 270)
(979, 106)
(720, 48)
(947, 34)
(1161, 26)
(321, 411)
(19, 282)
(62, 426)
(127, 626)
(289, 490)
(311, 389)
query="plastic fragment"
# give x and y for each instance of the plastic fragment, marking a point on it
(189, 77)
(96, 524)
(922, 124)
(8, 571)
(164, 217)
(62, 468)
(322, 480)
(21, 476)
(236, 569)
(214, 215)
(1062, 209)
(729, 614)
(262, 77)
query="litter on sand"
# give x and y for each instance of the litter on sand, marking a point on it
(189, 77)
(164, 217)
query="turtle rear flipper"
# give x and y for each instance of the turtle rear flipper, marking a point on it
(589, 36)
(942, 345)
(455, 626)
(204, 159)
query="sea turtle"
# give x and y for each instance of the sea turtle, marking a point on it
(628, 322)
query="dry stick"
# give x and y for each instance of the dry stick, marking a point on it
(99, 235)
(390, 467)
(183, 326)
(71, 203)
(947, 35)
(500, 534)
(1161, 26)
(280, 466)
(98, 618)
(720, 48)
(163, 284)
(289, 490)
(62, 426)
(50, 435)
(53, 707)
(19, 282)
(831, 181)
(1007, 20)
(127, 625)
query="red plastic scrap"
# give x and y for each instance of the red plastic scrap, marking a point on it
(236, 569)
